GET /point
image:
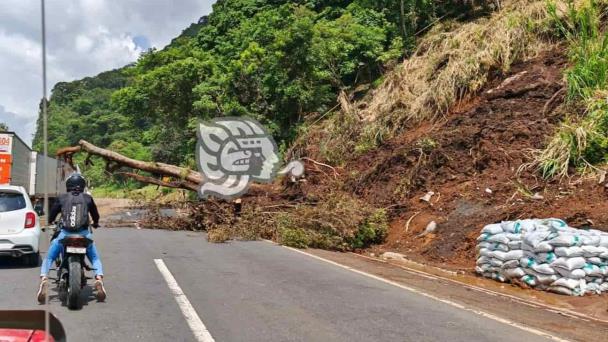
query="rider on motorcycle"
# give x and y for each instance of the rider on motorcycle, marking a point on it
(75, 186)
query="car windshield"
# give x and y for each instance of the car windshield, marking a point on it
(10, 201)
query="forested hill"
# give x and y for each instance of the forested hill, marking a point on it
(281, 62)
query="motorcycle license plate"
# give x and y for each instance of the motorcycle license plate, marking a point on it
(76, 250)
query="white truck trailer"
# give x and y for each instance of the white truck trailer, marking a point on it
(21, 166)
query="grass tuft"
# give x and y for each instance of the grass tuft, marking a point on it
(582, 140)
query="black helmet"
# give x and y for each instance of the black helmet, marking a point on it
(75, 182)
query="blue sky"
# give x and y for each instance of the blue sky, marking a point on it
(84, 38)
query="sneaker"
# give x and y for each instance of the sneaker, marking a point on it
(101, 291)
(42, 290)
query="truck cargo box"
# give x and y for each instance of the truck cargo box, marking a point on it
(21, 166)
(15, 155)
(56, 173)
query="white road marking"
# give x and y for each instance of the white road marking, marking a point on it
(528, 302)
(194, 321)
(445, 301)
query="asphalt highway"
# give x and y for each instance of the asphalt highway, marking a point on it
(243, 291)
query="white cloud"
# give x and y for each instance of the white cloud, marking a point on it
(84, 37)
(21, 125)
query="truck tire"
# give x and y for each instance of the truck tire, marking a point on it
(74, 282)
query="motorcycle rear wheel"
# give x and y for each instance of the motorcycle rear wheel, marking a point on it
(74, 283)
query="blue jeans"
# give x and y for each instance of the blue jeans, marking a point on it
(56, 248)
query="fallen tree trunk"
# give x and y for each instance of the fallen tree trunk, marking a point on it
(183, 178)
(159, 168)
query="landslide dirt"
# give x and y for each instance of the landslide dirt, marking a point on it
(470, 160)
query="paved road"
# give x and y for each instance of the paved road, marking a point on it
(246, 291)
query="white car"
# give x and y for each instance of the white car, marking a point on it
(19, 225)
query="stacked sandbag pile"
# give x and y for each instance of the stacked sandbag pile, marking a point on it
(546, 255)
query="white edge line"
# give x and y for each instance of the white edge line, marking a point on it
(528, 302)
(194, 321)
(445, 301)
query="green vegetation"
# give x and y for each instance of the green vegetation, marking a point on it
(280, 62)
(339, 222)
(3, 127)
(582, 140)
(453, 61)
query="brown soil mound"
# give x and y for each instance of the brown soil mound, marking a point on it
(470, 159)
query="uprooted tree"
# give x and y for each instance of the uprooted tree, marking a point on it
(157, 173)
(181, 178)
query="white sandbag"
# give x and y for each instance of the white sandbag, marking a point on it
(568, 283)
(483, 260)
(529, 254)
(565, 240)
(510, 264)
(530, 280)
(593, 270)
(569, 252)
(590, 240)
(557, 223)
(596, 280)
(511, 227)
(495, 276)
(527, 262)
(546, 279)
(593, 288)
(481, 245)
(592, 251)
(561, 290)
(543, 247)
(546, 257)
(569, 263)
(514, 255)
(600, 250)
(544, 268)
(578, 273)
(513, 236)
(498, 255)
(486, 268)
(499, 247)
(500, 238)
(485, 252)
(528, 248)
(483, 237)
(514, 273)
(514, 244)
(492, 229)
(536, 237)
(496, 262)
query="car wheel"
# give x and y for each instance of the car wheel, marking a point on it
(32, 260)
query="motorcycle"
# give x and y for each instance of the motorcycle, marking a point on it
(71, 267)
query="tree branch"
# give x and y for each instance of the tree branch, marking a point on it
(155, 181)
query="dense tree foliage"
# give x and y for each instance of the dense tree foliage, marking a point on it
(3, 127)
(277, 61)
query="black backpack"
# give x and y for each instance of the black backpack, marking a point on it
(75, 212)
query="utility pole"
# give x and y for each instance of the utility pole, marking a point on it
(46, 149)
